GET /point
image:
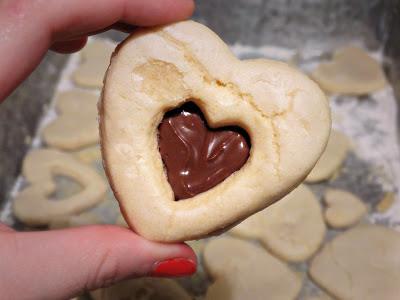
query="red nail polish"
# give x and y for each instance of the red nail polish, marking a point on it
(174, 267)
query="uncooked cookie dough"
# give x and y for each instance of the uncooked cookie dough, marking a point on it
(332, 158)
(91, 156)
(343, 208)
(86, 218)
(242, 270)
(360, 264)
(88, 155)
(34, 206)
(351, 71)
(319, 297)
(95, 58)
(142, 289)
(106, 212)
(77, 125)
(252, 227)
(120, 221)
(158, 70)
(292, 229)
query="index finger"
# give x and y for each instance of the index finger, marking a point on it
(29, 27)
(77, 17)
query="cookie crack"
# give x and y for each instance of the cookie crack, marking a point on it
(188, 56)
(234, 89)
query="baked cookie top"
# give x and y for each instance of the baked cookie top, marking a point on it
(284, 113)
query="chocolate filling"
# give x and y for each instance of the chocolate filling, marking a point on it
(197, 157)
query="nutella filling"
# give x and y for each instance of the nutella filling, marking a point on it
(197, 157)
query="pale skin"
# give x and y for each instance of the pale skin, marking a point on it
(62, 264)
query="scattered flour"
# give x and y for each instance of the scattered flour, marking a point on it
(370, 122)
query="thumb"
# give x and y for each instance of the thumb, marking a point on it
(63, 263)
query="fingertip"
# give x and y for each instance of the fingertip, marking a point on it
(189, 252)
(148, 254)
(188, 7)
(126, 242)
(96, 255)
(158, 12)
(175, 267)
(136, 256)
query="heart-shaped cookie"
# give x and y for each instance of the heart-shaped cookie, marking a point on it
(33, 205)
(331, 159)
(142, 289)
(94, 61)
(196, 157)
(76, 125)
(360, 263)
(352, 71)
(242, 270)
(343, 208)
(292, 229)
(285, 114)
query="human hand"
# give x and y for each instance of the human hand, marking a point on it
(61, 264)
(28, 28)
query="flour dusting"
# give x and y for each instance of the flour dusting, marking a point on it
(369, 121)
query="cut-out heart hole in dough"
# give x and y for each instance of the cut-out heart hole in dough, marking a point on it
(65, 187)
(33, 206)
(196, 156)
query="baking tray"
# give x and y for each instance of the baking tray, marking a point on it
(305, 32)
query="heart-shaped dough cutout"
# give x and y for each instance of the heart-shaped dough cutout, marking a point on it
(332, 159)
(33, 206)
(292, 229)
(67, 221)
(351, 71)
(89, 155)
(285, 114)
(95, 58)
(319, 297)
(142, 289)
(361, 263)
(196, 157)
(242, 270)
(76, 125)
(343, 208)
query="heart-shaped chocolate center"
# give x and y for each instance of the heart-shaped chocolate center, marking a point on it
(197, 157)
